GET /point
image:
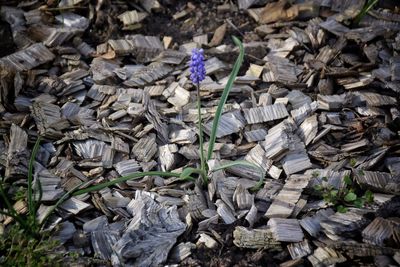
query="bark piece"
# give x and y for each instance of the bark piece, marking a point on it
(150, 234)
(299, 250)
(145, 149)
(325, 257)
(264, 114)
(17, 154)
(312, 224)
(256, 238)
(229, 123)
(286, 230)
(29, 58)
(341, 225)
(383, 232)
(378, 181)
(284, 203)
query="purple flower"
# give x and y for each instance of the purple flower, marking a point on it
(197, 69)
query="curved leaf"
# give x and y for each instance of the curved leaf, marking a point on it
(224, 96)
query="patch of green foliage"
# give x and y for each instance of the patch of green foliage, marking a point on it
(19, 249)
(344, 198)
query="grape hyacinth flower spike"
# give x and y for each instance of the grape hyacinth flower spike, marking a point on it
(197, 69)
(197, 74)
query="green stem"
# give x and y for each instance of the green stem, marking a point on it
(31, 202)
(201, 141)
(224, 96)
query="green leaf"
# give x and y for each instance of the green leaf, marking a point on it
(318, 187)
(347, 180)
(325, 179)
(359, 203)
(224, 96)
(370, 4)
(185, 175)
(369, 196)
(31, 202)
(342, 209)
(243, 163)
(333, 193)
(350, 197)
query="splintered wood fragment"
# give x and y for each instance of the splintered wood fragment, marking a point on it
(296, 161)
(155, 90)
(265, 114)
(103, 241)
(213, 65)
(171, 57)
(17, 154)
(355, 249)
(127, 167)
(229, 123)
(48, 119)
(286, 230)
(183, 136)
(50, 184)
(103, 69)
(242, 198)
(300, 249)
(298, 99)
(225, 212)
(167, 156)
(196, 203)
(145, 47)
(278, 11)
(276, 143)
(378, 181)
(341, 225)
(383, 232)
(325, 257)
(355, 145)
(182, 251)
(148, 74)
(132, 17)
(254, 70)
(285, 202)
(29, 58)
(218, 35)
(255, 238)
(90, 148)
(313, 224)
(74, 205)
(280, 70)
(393, 164)
(176, 95)
(151, 224)
(255, 135)
(154, 118)
(245, 4)
(331, 102)
(375, 99)
(301, 113)
(334, 27)
(145, 149)
(308, 129)
(21, 207)
(257, 156)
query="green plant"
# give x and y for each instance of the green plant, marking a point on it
(19, 249)
(367, 7)
(28, 225)
(347, 196)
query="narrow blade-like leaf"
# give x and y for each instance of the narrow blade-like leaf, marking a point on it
(243, 163)
(224, 96)
(31, 202)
